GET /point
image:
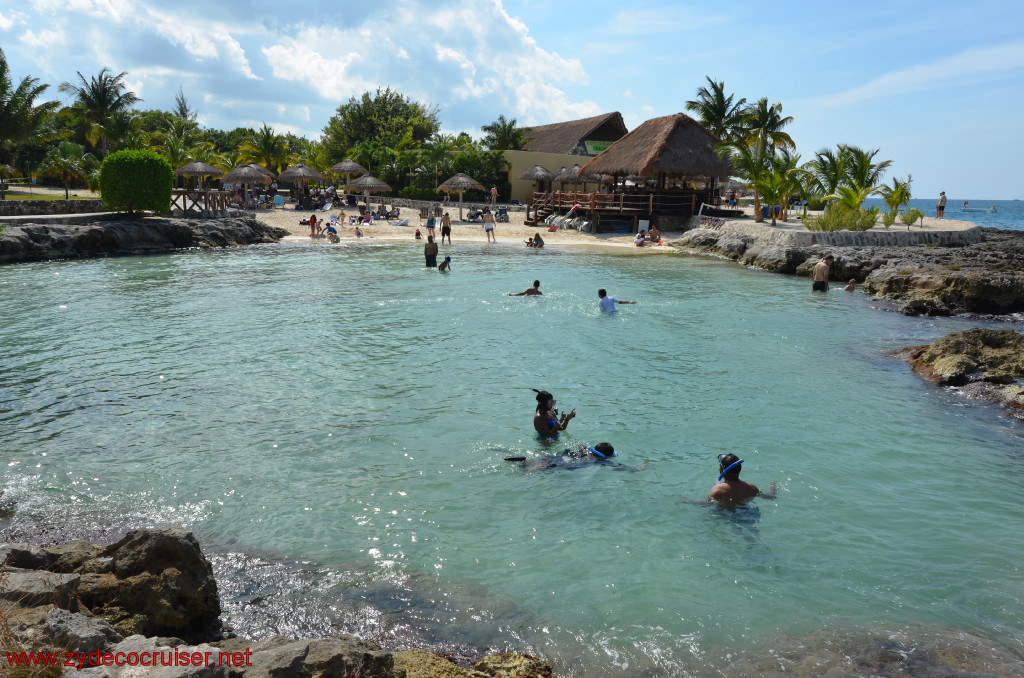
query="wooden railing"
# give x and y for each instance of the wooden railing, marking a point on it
(639, 203)
(188, 200)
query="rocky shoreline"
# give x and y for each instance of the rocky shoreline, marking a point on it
(152, 596)
(984, 364)
(983, 278)
(23, 242)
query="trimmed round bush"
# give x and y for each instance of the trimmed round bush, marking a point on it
(132, 181)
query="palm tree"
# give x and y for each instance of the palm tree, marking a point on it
(716, 111)
(764, 122)
(266, 147)
(68, 161)
(181, 107)
(124, 130)
(503, 135)
(860, 168)
(750, 162)
(851, 197)
(828, 169)
(787, 165)
(21, 119)
(97, 100)
(897, 195)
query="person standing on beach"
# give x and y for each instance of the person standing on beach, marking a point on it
(446, 228)
(730, 490)
(819, 276)
(430, 252)
(529, 291)
(607, 304)
(494, 195)
(940, 207)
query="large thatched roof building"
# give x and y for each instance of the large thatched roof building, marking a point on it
(588, 136)
(674, 146)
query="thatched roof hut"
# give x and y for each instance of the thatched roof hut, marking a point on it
(300, 173)
(347, 166)
(247, 174)
(674, 146)
(537, 173)
(569, 138)
(198, 169)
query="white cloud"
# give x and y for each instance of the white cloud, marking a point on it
(44, 39)
(7, 21)
(958, 68)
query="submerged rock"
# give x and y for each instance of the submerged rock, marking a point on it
(40, 242)
(989, 363)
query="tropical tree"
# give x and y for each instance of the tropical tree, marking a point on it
(716, 111)
(181, 107)
(504, 135)
(763, 122)
(897, 195)
(860, 167)
(21, 118)
(851, 197)
(828, 169)
(266, 147)
(125, 127)
(68, 161)
(97, 100)
(386, 113)
(751, 162)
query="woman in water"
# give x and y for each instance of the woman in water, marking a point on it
(546, 421)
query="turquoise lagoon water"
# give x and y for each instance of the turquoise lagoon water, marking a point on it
(333, 421)
(1009, 214)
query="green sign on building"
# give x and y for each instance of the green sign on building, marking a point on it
(596, 147)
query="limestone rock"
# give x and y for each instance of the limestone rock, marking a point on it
(509, 665)
(989, 362)
(423, 664)
(32, 588)
(341, 656)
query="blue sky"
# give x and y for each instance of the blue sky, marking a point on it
(936, 86)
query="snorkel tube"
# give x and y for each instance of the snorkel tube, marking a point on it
(729, 468)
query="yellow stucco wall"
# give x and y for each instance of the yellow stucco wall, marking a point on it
(521, 161)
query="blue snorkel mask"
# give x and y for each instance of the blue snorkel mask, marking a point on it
(729, 468)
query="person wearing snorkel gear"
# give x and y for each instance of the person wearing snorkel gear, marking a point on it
(446, 265)
(546, 421)
(730, 489)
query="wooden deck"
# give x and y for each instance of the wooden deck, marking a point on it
(188, 200)
(638, 204)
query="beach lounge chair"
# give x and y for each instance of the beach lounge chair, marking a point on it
(278, 201)
(424, 214)
(501, 214)
(403, 222)
(395, 212)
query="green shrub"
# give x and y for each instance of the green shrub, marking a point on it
(419, 194)
(816, 203)
(911, 216)
(839, 217)
(132, 181)
(888, 219)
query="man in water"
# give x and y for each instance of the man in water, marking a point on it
(819, 275)
(430, 252)
(730, 489)
(607, 304)
(529, 291)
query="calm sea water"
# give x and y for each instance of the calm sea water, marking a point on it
(1009, 214)
(333, 422)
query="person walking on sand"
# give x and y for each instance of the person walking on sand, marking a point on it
(819, 276)
(730, 490)
(940, 207)
(529, 291)
(489, 226)
(430, 252)
(446, 228)
(607, 304)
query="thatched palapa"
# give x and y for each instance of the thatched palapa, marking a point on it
(348, 166)
(674, 146)
(247, 174)
(537, 173)
(198, 169)
(300, 173)
(569, 138)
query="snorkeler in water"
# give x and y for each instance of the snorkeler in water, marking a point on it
(546, 420)
(578, 456)
(730, 489)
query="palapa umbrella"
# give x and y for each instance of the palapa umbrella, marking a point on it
(370, 184)
(537, 173)
(460, 182)
(300, 174)
(248, 174)
(348, 167)
(198, 169)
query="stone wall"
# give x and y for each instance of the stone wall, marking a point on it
(18, 208)
(786, 235)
